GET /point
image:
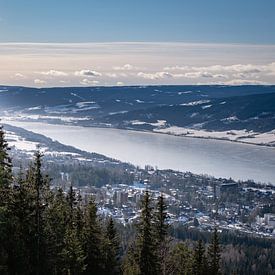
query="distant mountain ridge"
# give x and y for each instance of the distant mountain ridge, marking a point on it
(200, 107)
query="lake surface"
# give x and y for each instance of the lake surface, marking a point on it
(201, 156)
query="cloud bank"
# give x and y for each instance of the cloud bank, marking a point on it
(53, 64)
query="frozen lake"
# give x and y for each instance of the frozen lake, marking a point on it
(202, 156)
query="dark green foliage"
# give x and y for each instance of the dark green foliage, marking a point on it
(93, 239)
(161, 234)
(200, 265)
(5, 213)
(5, 162)
(214, 254)
(145, 239)
(112, 248)
(72, 254)
(180, 260)
(161, 216)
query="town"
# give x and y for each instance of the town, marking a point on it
(193, 200)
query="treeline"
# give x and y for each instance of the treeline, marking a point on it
(49, 232)
(82, 175)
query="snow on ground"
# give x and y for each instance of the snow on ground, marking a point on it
(119, 112)
(56, 153)
(159, 123)
(65, 109)
(206, 106)
(187, 92)
(84, 104)
(139, 101)
(26, 117)
(20, 143)
(34, 108)
(231, 118)
(194, 103)
(233, 135)
(29, 147)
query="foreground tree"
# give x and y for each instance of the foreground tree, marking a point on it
(93, 241)
(112, 249)
(214, 255)
(5, 194)
(146, 242)
(200, 260)
(161, 234)
(180, 260)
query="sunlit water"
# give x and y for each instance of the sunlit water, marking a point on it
(202, 156)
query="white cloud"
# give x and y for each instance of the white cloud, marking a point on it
(19, 76)
(154, 76)
(203, 74)
(112, 75)
(188, 63)
(87, 73)
(119, 83)
(163, 75)
(39, 81)
(86, 81)
(238, 68)
(53, 73)
(64, 81)
(126, 67)
(242, 82)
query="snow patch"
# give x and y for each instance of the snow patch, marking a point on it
(194, 103)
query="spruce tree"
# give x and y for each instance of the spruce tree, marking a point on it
(161, 233)
(5, 193)
(93, 241)
(130, 264)
(214, 255)
(5, 165)
(73, 254)
(79, 215)
(147, 248)
(112, 249)
(161, 216)
(199, 261)
(179, 260)
(56, 225)
(21, 233)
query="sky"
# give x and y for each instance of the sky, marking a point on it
(124, 42)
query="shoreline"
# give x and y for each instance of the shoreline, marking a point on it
(117, 131)
(146, 131)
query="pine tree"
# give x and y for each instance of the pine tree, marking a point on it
(5, 164)
(21, 230)
(72, 202)
(161, 216)
(200, 261)
(180, 260)
(93, 241)
(161, 233)
(146, 242)
(79, 215)
(56, 226)
(5, 193)
(112, 249)
(73, 254)
(214, 255)
(130, 264)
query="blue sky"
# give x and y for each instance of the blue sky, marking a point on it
(219, 21)
(136, 42)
